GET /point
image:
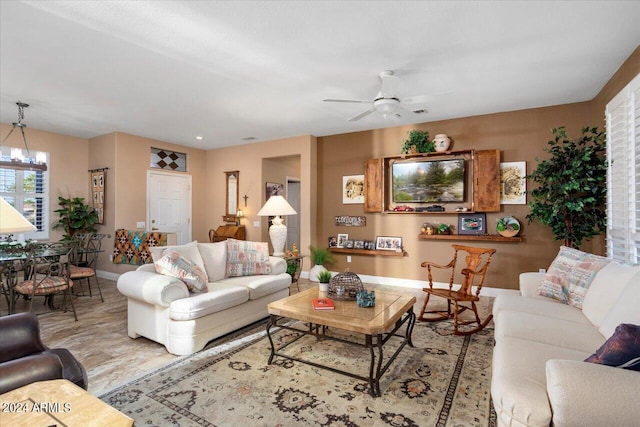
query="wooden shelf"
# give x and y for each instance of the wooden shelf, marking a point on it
(370, 252)
(485, 237)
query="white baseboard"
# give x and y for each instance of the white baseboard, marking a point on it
(412, 283)
(107, 275)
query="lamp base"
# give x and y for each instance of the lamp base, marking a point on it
(278, 235)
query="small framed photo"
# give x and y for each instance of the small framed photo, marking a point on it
(369, 244)
(388, 243)
(472, 223)
(348, 244)
(358, 244)
(353, 189)
(342, 239)
(333, 241)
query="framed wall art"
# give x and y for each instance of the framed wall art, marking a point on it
(472, 223)
(353, 189)
(274, 189)
(513, 184)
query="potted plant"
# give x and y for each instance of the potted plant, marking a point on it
(75, 216)
(418, 142)
(571, 187)
(319, 257)
(324, 277)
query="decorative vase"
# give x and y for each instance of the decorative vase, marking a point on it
(315, 270)
(442, 142)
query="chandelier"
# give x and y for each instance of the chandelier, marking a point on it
(17, 159)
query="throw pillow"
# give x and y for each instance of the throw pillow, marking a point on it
(622, 350)
(570, 276)
(247, 258)
(188, 250)
(174, 265)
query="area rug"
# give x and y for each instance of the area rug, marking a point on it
(443, 381)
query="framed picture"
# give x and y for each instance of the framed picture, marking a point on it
(513, 184)
(333, 241)
(358, 244)
(388, 243)
(472, 223)
(274, 189)
(342, 239)
(348, 244)
(353, 189)
(369, 244)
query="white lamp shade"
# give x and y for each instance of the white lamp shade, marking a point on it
(276, 205)
(12, 221)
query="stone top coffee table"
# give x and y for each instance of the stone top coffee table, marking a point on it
(378, 324)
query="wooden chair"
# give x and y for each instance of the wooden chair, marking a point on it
(463, 298)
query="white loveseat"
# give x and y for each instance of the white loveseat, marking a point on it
(162, 309)
(539, 374)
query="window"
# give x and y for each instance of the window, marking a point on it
(27, 191)
(623, 174)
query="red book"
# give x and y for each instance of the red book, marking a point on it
(322, 304)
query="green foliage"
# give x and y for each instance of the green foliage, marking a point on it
(324, 276)
(571, 191)
(320, 256)
(419, 139)
(75, 216)
(503, 225)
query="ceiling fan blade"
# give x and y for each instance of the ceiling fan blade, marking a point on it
(361, 115)
(417, 99)
(355, 101)
(389, 85)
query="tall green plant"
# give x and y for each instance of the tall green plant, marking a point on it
(75, 216)
(571, 190)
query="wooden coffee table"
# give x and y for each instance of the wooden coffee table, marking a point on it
(57, 402)
(378, 324)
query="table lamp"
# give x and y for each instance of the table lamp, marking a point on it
(12, 221)
(276, 206)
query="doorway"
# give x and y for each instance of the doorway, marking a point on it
(293, 221)
(169, 204)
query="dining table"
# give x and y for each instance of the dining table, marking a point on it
(12, 258)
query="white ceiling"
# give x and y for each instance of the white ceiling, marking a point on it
(229, 70)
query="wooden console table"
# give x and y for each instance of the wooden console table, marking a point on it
(224, 232)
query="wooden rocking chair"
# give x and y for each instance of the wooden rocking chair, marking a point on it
(477, 264)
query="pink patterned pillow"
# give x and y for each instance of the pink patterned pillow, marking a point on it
(570, 276)
(247, 258)
(174, 265)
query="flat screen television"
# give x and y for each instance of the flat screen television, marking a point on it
(427, 181)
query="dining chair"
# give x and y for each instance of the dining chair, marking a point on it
(50, 281)
(84, 263)
(464, 297)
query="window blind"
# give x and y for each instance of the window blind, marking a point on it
(623, 174)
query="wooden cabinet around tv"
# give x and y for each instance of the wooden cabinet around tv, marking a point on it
(485, 186)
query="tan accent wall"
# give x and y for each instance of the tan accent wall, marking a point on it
(68, 176)
(520, 135)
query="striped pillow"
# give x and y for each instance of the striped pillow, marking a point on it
(247, 258)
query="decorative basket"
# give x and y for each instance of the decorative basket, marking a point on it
(345, 286)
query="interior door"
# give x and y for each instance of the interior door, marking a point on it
(169, 204)
(293, 221)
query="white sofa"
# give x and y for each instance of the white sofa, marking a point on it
(539, 374)
(162, 309)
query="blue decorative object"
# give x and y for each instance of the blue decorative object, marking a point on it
(365, 298)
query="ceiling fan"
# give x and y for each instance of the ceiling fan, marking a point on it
(386, 101)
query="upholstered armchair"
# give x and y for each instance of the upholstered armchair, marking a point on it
(24, 359)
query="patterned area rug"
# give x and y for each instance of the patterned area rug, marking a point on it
(443, 381)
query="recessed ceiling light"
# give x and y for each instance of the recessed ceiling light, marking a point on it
(199, 138)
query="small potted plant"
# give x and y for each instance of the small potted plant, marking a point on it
(319, 257)
(418, 142)
(324, 277)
